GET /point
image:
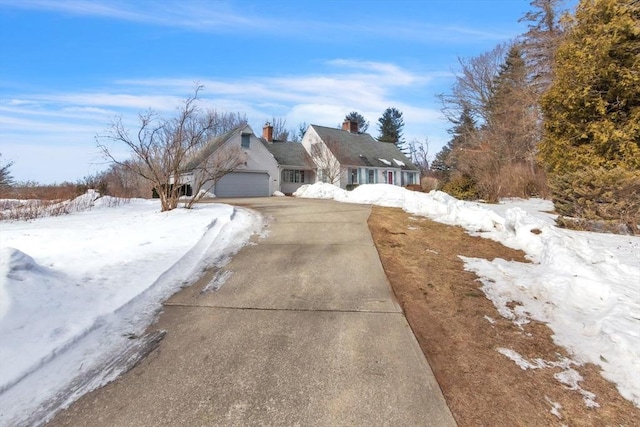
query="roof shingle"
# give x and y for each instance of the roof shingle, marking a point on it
(361, 149)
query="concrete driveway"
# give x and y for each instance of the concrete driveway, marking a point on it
(305, 331)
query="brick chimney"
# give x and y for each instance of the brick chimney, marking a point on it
(267, 132)
(350, 126)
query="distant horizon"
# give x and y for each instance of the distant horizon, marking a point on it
(308, 63)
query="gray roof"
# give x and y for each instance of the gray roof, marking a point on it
(361, 149)
(289, 154)
(210, 147)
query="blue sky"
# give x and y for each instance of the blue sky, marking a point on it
(67, 68)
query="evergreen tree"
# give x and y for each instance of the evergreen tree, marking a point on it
(354, 116)
(390, 125)
(511, 111)
(463, 131)
(6, 179)
(462, 136)
(439, 163)
(540, 42)
(592, 114)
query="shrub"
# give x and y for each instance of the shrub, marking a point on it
(599, 195)
(428, 183)
(461, 187)
(522, 180)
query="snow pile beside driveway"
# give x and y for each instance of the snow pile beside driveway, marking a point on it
(75, 289)
(585, 286)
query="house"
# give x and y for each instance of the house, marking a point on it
(260, 166)
(295, 167)
(254, 173)
(347, 158)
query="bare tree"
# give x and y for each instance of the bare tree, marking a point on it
(224, 160)
(474, 85)
(280, 131)
(419, 154)
(324, 156)
(121, 181)
(161, 146)
(223, 122)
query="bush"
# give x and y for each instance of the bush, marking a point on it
(461, 187)
(522, 180)
(598, 194)
(428, 183)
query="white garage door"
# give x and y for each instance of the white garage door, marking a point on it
(243, 184)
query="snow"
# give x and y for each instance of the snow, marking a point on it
(569, 377)
(584, 286)
(75, 289)
(398, 162)
(385, 161)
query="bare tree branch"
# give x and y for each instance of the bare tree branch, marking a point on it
(324, 156)
(162, 147)
(225, 160)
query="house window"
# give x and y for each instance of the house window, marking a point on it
(372, 176)
(354, 176)
(246, 140)
(296, 176)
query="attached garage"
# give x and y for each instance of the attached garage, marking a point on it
(243, 184)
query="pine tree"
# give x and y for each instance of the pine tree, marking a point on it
(462, 137)
(540, 42)
(511, 111)
(6, 179)
(592, 112)
(439, 163)
(390, 125)
(354, 116)
(463, 131)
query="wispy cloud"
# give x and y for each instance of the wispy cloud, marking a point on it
(348, 85)
(345, 85)
(231, 17)
(203, 16)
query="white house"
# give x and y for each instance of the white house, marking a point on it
(347, 158)
(342, 157)
(257, 174)
(294, 163)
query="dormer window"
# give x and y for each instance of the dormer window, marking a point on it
(245, 142)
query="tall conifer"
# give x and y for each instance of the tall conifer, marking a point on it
(591, 144)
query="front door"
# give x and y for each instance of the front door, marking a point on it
(390, 178)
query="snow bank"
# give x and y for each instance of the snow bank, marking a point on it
(585, 286)
(75, 289)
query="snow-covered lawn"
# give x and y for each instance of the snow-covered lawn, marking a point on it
(584, 286)
(75, 289)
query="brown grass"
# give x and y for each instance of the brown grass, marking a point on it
(446, 310)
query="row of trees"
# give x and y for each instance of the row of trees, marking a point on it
(495, 114)
(560, 102)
